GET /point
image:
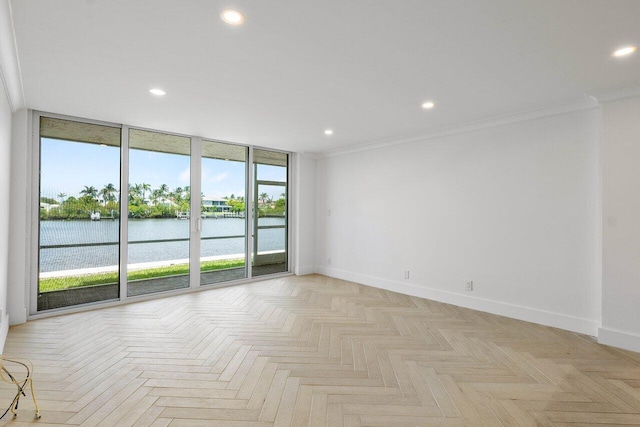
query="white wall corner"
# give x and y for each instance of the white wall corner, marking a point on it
(19, 218)
(620, 339)
(610, 95)
(10, 74)
(294, 213)
(18, 315)
(305, 270)
(304, 215)
(307, 155)
(528, 314)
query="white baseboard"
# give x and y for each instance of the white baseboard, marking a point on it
(620, 339)
(305, 269)
(4, 330)
(528, 314)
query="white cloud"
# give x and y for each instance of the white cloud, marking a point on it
(185, 176)
(208, 176)
(219, 177)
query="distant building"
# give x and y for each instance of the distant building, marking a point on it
(48, 206)
(165, 202)
(215, 204)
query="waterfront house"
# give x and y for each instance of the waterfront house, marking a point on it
(215, 204)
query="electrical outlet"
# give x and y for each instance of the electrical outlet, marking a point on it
(328, 261)
(469, 285)
(406, 274)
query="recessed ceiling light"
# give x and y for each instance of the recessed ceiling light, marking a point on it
(328, 132)
(428, 105)
(232, 17)
(624, 51)
(158, 92)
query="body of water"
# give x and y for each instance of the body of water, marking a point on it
(107, 231)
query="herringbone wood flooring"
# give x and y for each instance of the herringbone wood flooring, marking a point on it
(316, 351)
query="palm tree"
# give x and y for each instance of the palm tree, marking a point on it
(135, 193)
(105, 196)
(62, 196)
(155, 196)
(145, 188)
(107, 193)
(90, 191)
(263, 197)
(164, 190)
(139, 193)
(176, 195)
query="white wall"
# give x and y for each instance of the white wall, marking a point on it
(5, 155)
(515, 208)
(11, 100)
(305, 202)
(19, 217)
(621, 224)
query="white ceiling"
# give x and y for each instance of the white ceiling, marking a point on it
(298, 67)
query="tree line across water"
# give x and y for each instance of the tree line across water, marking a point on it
(145, 202)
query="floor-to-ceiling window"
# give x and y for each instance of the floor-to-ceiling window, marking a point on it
(79, 222)
(224, 222)
(159, 212)
(90, 247)
(270, 216)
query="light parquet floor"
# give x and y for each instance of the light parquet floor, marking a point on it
(316, 351)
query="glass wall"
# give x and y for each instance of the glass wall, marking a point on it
(159, 212)
(223, 236)
(91, 248)
(79, 222)
(270, 229)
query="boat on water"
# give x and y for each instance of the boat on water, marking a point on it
(95, 216)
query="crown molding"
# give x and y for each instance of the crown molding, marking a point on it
(10, 74)
(586, 102)
(627, 91)
(309, 155)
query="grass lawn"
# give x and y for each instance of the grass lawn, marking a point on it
(61, 283)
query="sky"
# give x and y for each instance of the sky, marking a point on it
(66, 167)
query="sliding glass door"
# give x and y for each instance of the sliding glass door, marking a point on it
(270, 246)
(159, 212)
(79, 213)
(91, 248)
(224, 221)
